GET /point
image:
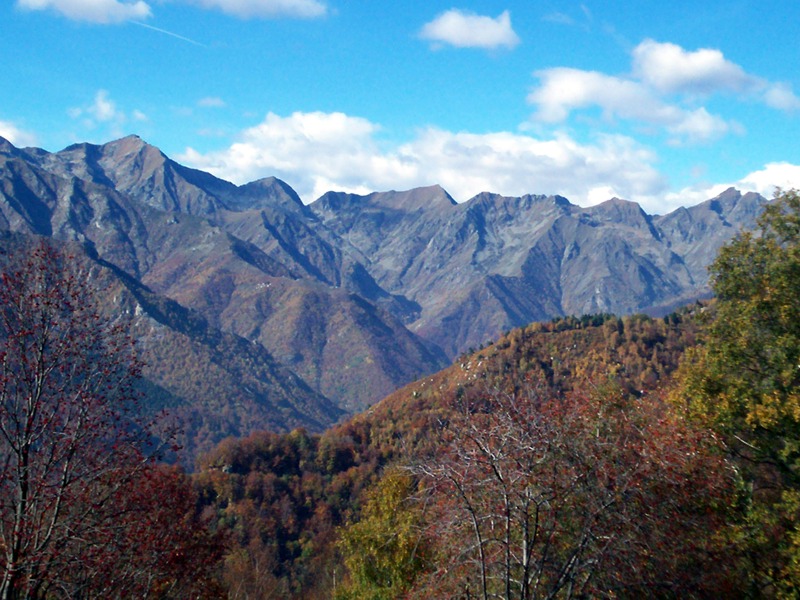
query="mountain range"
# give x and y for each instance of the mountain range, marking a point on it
(254, 310)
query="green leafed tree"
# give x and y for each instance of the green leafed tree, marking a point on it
(744, 381)
(385, 551)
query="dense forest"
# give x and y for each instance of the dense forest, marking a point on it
(593, 456)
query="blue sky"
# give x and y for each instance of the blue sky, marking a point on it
(665, 104)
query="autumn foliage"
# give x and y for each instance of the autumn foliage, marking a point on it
(583, 495)
(85, 511)
(313, 516)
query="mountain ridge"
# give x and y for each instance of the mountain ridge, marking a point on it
(354, 294)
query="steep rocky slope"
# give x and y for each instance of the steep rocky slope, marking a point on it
(252, 270)
(494, 262)
(213, 384)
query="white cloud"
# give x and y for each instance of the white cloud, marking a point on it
(467, 30)
(245, 9)
(781, 97)
(306, 149)
(104, 117)
(699, 126)
(783, 175)
(15, 135)
(564, 90)
(211, 102)
(669, 68)
(103, 108)
(319, 152)
(662, 90)
(94, 11)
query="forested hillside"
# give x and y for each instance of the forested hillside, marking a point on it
(287, 496)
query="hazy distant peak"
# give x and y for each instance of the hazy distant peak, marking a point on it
(618, 202)
(619, 205)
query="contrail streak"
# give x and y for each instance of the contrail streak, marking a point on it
(175, 35)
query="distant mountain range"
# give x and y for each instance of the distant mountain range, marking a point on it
(256, 310)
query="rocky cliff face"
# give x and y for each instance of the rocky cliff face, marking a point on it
(357, 295)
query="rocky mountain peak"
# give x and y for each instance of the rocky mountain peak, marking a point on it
(415, 199)
(133, 147)
(514, 206)
(617, 210)
(267, 191)
(7, 147)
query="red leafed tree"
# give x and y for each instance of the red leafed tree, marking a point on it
(71, 449)
(158, 544)
(585, 496)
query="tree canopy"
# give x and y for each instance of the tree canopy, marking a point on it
(744, 381)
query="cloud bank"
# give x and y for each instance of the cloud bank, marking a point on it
(318, 152)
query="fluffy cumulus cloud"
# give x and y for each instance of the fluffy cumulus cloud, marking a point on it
(94, 11)
(563, 90)
(15, 135)
(319, 152)
(664, 81)
(782, 175)
(467, 30)
(245, 9)
(669, 68)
